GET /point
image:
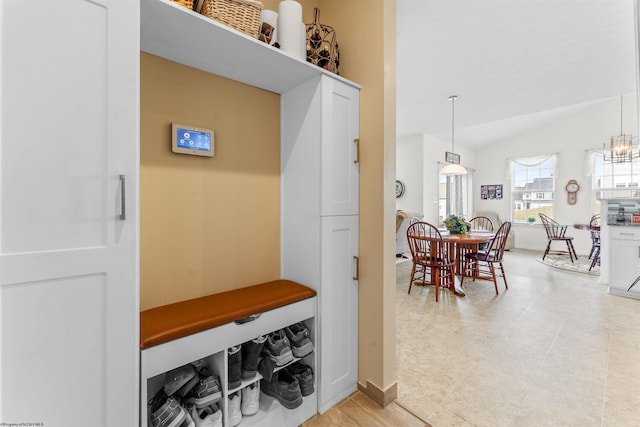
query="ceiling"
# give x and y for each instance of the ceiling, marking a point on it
(514, 64)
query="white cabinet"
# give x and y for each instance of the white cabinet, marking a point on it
(320, 181)
(69, 262)
(625, 261)
(211, 346)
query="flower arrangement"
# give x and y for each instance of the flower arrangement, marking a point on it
(456, 224)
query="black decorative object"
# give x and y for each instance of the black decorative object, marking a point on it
(322, 47)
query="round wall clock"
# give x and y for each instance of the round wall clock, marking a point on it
(399, 189)
(572, 188)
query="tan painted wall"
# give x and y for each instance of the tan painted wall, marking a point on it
(206, 224)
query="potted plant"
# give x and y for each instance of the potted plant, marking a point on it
(531, 219)
(455, 224)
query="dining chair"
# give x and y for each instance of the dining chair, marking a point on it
(595, 234)
(482, 264)
(481, 223)
(430, 255)
(557, 233)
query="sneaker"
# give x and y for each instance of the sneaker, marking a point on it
(251, 357)
(304, 374)
(206, 392)
(235, 415)
(209, 416)
(277, 347)
(234, 366)
(251, 399)
(177, 378)
(188, 421)
(165, 411)
(298, 335)
(284, 387)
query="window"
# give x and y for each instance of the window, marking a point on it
(455, 195)
(532, 187)
(613, 180)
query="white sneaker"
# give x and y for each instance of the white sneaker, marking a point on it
(209, 416)
(235, 415)
(251, 399)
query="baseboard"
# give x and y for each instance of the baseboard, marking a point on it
(381, 397)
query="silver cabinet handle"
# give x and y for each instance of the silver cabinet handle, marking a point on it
(357, 155)
(123, 208)
(357, 260)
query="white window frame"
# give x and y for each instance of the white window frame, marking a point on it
(522, 198)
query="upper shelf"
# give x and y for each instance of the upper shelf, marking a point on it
(173, 32)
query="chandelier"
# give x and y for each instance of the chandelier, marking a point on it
(454, 167)
(621, 148)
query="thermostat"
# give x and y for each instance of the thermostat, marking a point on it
(192, 140)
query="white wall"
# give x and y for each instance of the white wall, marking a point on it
(570, 138)
(417, 167)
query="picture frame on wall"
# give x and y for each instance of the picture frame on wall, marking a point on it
(491, 191)
(452, 157)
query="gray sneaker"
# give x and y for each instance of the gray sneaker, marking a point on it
(284, 387)
(278, 348)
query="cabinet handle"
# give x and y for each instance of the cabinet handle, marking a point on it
(123, 208)
(357, 260)
(627, 234)
(357, 158)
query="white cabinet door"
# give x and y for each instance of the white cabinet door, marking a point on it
(340, 132)
(625, 264)
(338, 310)
(68, 263)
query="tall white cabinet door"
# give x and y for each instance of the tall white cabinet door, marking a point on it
(340, 162)
(68, 262)
(338, 310)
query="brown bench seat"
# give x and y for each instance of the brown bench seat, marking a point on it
(169, 322)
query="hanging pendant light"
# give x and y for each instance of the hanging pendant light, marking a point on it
(454, 167)
(621, 148)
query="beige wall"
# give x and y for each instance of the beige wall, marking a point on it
(206, 224)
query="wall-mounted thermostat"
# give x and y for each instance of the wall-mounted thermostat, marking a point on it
(192, 140)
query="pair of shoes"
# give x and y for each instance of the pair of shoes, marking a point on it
(278, 348)
(250, 399)
(209, 416)
(234, 367)
(207, 391)
(235, 414)
(251, 357)
(300, 340)
(284, 387)
(304, 374)
(166, 411)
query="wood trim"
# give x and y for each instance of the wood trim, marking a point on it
(381, 397)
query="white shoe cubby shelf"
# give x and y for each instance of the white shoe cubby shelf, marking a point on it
(211, 346)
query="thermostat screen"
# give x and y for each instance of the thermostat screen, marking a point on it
(193, 139)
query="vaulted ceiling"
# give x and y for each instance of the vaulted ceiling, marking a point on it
(514, 64)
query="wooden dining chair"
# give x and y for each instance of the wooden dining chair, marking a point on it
(595, 234)
(482, 264)
(557, 233)
(430, 255)
(481, 223)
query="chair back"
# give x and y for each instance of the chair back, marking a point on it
(595, 234)
(553, 229)
(499, 241)
(426, 244)
(481, 223)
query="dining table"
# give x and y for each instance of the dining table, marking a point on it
(584, 226)
(457, 245)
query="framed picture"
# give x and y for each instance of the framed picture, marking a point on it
(491, 191)
(452, 157)
(484, 192)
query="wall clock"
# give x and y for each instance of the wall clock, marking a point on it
(572, 188)
(399, 189)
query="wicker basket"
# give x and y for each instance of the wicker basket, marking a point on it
(242, 15)
(186, 3)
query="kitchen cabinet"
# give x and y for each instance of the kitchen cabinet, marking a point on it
(624, 257)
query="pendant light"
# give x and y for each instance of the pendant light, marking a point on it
(454, 167)
(621, 148)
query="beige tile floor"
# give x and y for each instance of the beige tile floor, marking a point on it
(555, 349)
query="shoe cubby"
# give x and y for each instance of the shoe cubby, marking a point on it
(212, 348)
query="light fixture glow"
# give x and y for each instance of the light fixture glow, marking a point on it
(621, 148)
(453, 168)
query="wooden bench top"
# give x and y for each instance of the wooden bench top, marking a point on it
(169, 322)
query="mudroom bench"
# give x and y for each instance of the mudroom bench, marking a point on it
(204, 328)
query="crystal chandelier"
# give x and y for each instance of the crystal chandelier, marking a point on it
(621, 148)
(454, 167)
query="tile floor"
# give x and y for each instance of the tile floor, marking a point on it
(553, 350)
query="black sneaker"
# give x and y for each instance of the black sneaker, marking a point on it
(304, 375)
(251, 357)
(278, 348)
(300, 340)
(234, 367)
(284, 387)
